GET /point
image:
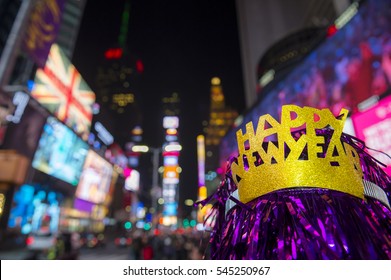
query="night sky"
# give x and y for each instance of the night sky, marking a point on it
(182, 44)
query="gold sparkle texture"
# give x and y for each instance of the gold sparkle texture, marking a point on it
(264, 166)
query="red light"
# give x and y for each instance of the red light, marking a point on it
(133, 154)
(173, 153)
(139, 66)
(331, 30)
(29, 240)
(113, 53)
(127, 172)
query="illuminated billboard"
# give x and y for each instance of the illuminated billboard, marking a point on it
(170, 122)
(60, 153)
(42, 29)
(35, 209)
(170, 161)
(132, 182)
(61, 89)
(374, 127)
(95, 179)
(170, 209)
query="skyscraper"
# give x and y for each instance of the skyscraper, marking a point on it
(70, 23)
(263, 23)
(117, 81)
(64, 24)
(221, 119)
(171, 152)
(8, 12)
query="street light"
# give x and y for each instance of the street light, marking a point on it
(140, 148)
(173, 148)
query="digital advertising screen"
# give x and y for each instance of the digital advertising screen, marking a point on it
(170, 209)
(60, 152)
(95, 179)
(62, 90)
(132, 181)
(35, 210)
(83, 205)
(373, 126)
(343, 71)
(170, 122)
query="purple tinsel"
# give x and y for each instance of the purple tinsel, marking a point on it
(304, 223)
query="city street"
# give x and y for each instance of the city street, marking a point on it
(163, 247)
(110, 252)
(193, 130)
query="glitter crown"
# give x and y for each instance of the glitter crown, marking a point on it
(290, 161)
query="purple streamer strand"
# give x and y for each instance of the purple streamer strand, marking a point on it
(304, 223)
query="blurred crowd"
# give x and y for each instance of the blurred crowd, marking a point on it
(169, 246)
(138, 245)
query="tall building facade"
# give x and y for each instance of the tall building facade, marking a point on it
(70, 24)
(117, 91)
(221, 119)
(13, 21)
(8, 12)
(263, 23)
(70, 13)
(171, 150)
(117, 83)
